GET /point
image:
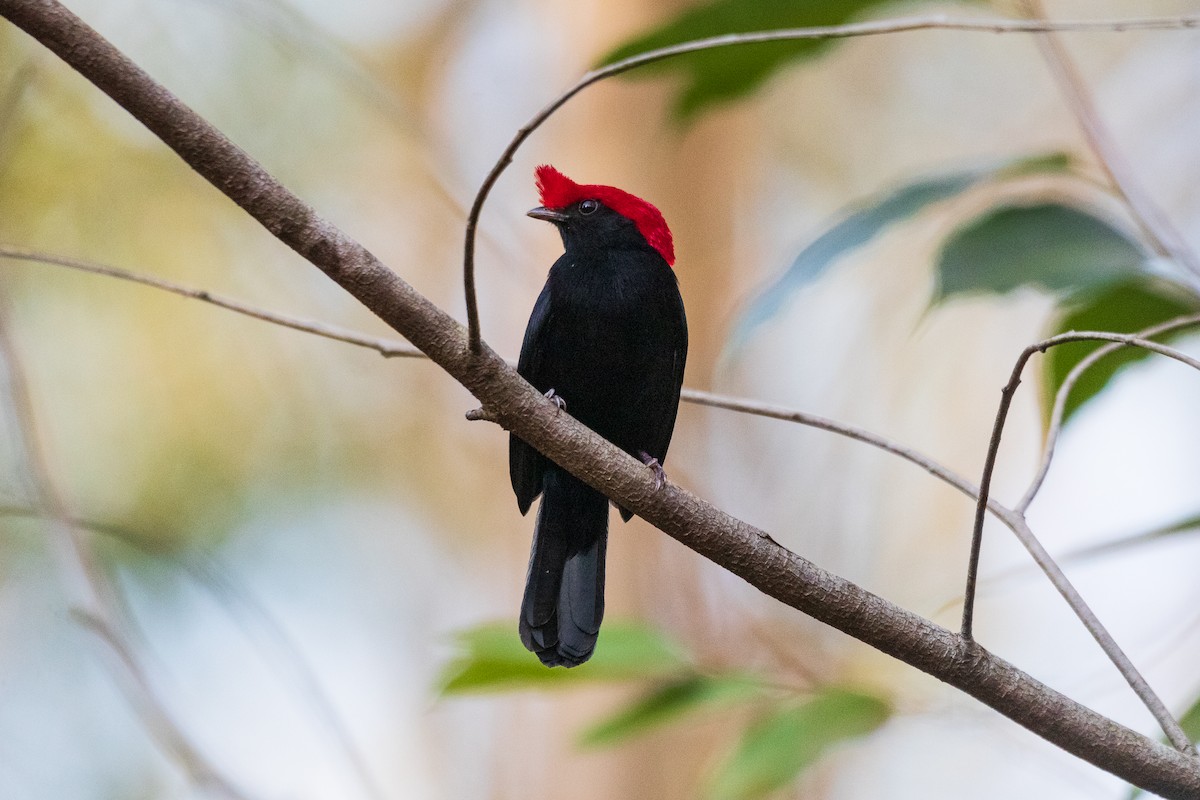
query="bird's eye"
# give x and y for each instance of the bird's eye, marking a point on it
(588, 207)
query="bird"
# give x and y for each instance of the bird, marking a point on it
(607, 341)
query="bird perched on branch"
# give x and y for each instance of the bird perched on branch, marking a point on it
(607, 340)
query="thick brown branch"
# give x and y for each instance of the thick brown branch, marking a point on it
(746, 551)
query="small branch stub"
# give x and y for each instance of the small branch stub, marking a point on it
(480, 414)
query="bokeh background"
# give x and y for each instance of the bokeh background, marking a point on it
(297, 528)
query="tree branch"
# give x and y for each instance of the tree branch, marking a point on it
(1138, 683)
(874, 28)
(744, 550)
(1014, 520)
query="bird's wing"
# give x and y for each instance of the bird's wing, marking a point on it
(661, 399)
(665, 393)
(526, 465)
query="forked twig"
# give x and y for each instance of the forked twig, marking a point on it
(1064, 391)
(1169, 724)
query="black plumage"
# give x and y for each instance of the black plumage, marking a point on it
(608, 335)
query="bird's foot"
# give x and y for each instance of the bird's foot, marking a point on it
(660, 474)
(556, 398)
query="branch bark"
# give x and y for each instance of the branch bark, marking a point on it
(744, 550)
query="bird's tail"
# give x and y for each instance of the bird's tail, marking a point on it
(564, 590)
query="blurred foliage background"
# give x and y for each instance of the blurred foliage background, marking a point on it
(318, 562)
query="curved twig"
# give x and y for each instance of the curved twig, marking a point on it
(756, 408)
(874, 28)
(1064, 391)
(1010, 388)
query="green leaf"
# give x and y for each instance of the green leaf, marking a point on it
(669, 702)
(1190, 721)
(1056, 247)
(727, 73)
(776, 749)
(864, 223)
(1124, 307)
(492, 658)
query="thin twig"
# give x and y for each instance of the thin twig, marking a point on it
(1109, 547)
(96, 609)
(1107, 643)
(756, 408)
(1169, 724)
(1154, 222)
(1135, 540)
(389, 348)
(1064, 391)
(877, 27)
(989, 463)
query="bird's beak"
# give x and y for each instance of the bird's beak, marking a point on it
(547, 214)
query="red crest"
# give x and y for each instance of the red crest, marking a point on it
(557, 191)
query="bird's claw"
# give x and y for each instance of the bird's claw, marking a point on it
(660, 474)
(556, 398)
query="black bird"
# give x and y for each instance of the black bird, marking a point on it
(608, 339)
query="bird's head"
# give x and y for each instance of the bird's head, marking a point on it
(595, 215)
